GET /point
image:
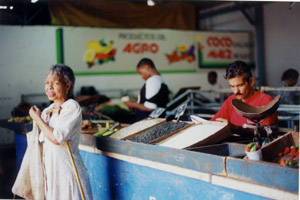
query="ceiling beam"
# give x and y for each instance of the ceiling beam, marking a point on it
(222, 10)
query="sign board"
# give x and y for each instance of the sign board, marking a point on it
(218, 49)
(91, 51)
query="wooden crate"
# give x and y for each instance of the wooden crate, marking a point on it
(271, 150)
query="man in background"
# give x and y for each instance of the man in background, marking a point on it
(289, 79)
(153, 94)
(214, 86)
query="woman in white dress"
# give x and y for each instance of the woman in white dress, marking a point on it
(61, 123)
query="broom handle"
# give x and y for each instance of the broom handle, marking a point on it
(75, 170)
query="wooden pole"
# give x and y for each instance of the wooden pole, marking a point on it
(75, 170)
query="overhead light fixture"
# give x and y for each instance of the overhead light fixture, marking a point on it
(150, 3)
(11, 7)
(34, 1)
(3, 7)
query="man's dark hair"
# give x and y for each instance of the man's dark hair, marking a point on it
(212, 73)
(146, 61)
(238, 68)
(290, 74)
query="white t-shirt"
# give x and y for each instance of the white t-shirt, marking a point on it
(153, 85)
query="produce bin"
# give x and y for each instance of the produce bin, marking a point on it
(270, 151)
(237, 166)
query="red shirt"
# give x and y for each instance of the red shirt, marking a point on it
(228, 112)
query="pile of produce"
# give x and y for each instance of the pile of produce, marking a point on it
(88, 127)
(117, 113)
(26, 119)
(108, 130)
(21, 110)
(290, 156)
(87, 124)
(158, 131)
(251, 147)
(135, 128)
(253, 151)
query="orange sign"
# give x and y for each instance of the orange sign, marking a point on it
(138, 48)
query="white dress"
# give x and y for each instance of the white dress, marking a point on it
(60, 180)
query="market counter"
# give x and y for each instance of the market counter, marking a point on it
(127, 170)
(121, 169)
(20, 129)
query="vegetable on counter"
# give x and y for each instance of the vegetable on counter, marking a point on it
(251, 147)
(282, 162)
(107, 131)
(26, 119)
(286, 150)
(290, 156)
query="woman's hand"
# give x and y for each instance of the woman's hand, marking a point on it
(35, 113)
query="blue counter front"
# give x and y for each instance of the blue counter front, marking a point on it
(127, 170)
(20, 145)
(117, 179)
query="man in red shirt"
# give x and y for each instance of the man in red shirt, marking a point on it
(241, 81)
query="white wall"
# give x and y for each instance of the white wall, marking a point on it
(26, 53)
(282, 39)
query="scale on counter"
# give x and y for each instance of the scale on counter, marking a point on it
(180, 111)
(257, 115)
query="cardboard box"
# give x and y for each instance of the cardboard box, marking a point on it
(270, 151)
(200, 134)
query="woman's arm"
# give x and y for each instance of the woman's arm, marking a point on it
(35, 114)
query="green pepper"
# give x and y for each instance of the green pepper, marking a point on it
(108, 133)
(253, 148)
(295, 162)
(286, 162)
(107, 125)
(250, 144)
(99, 133)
